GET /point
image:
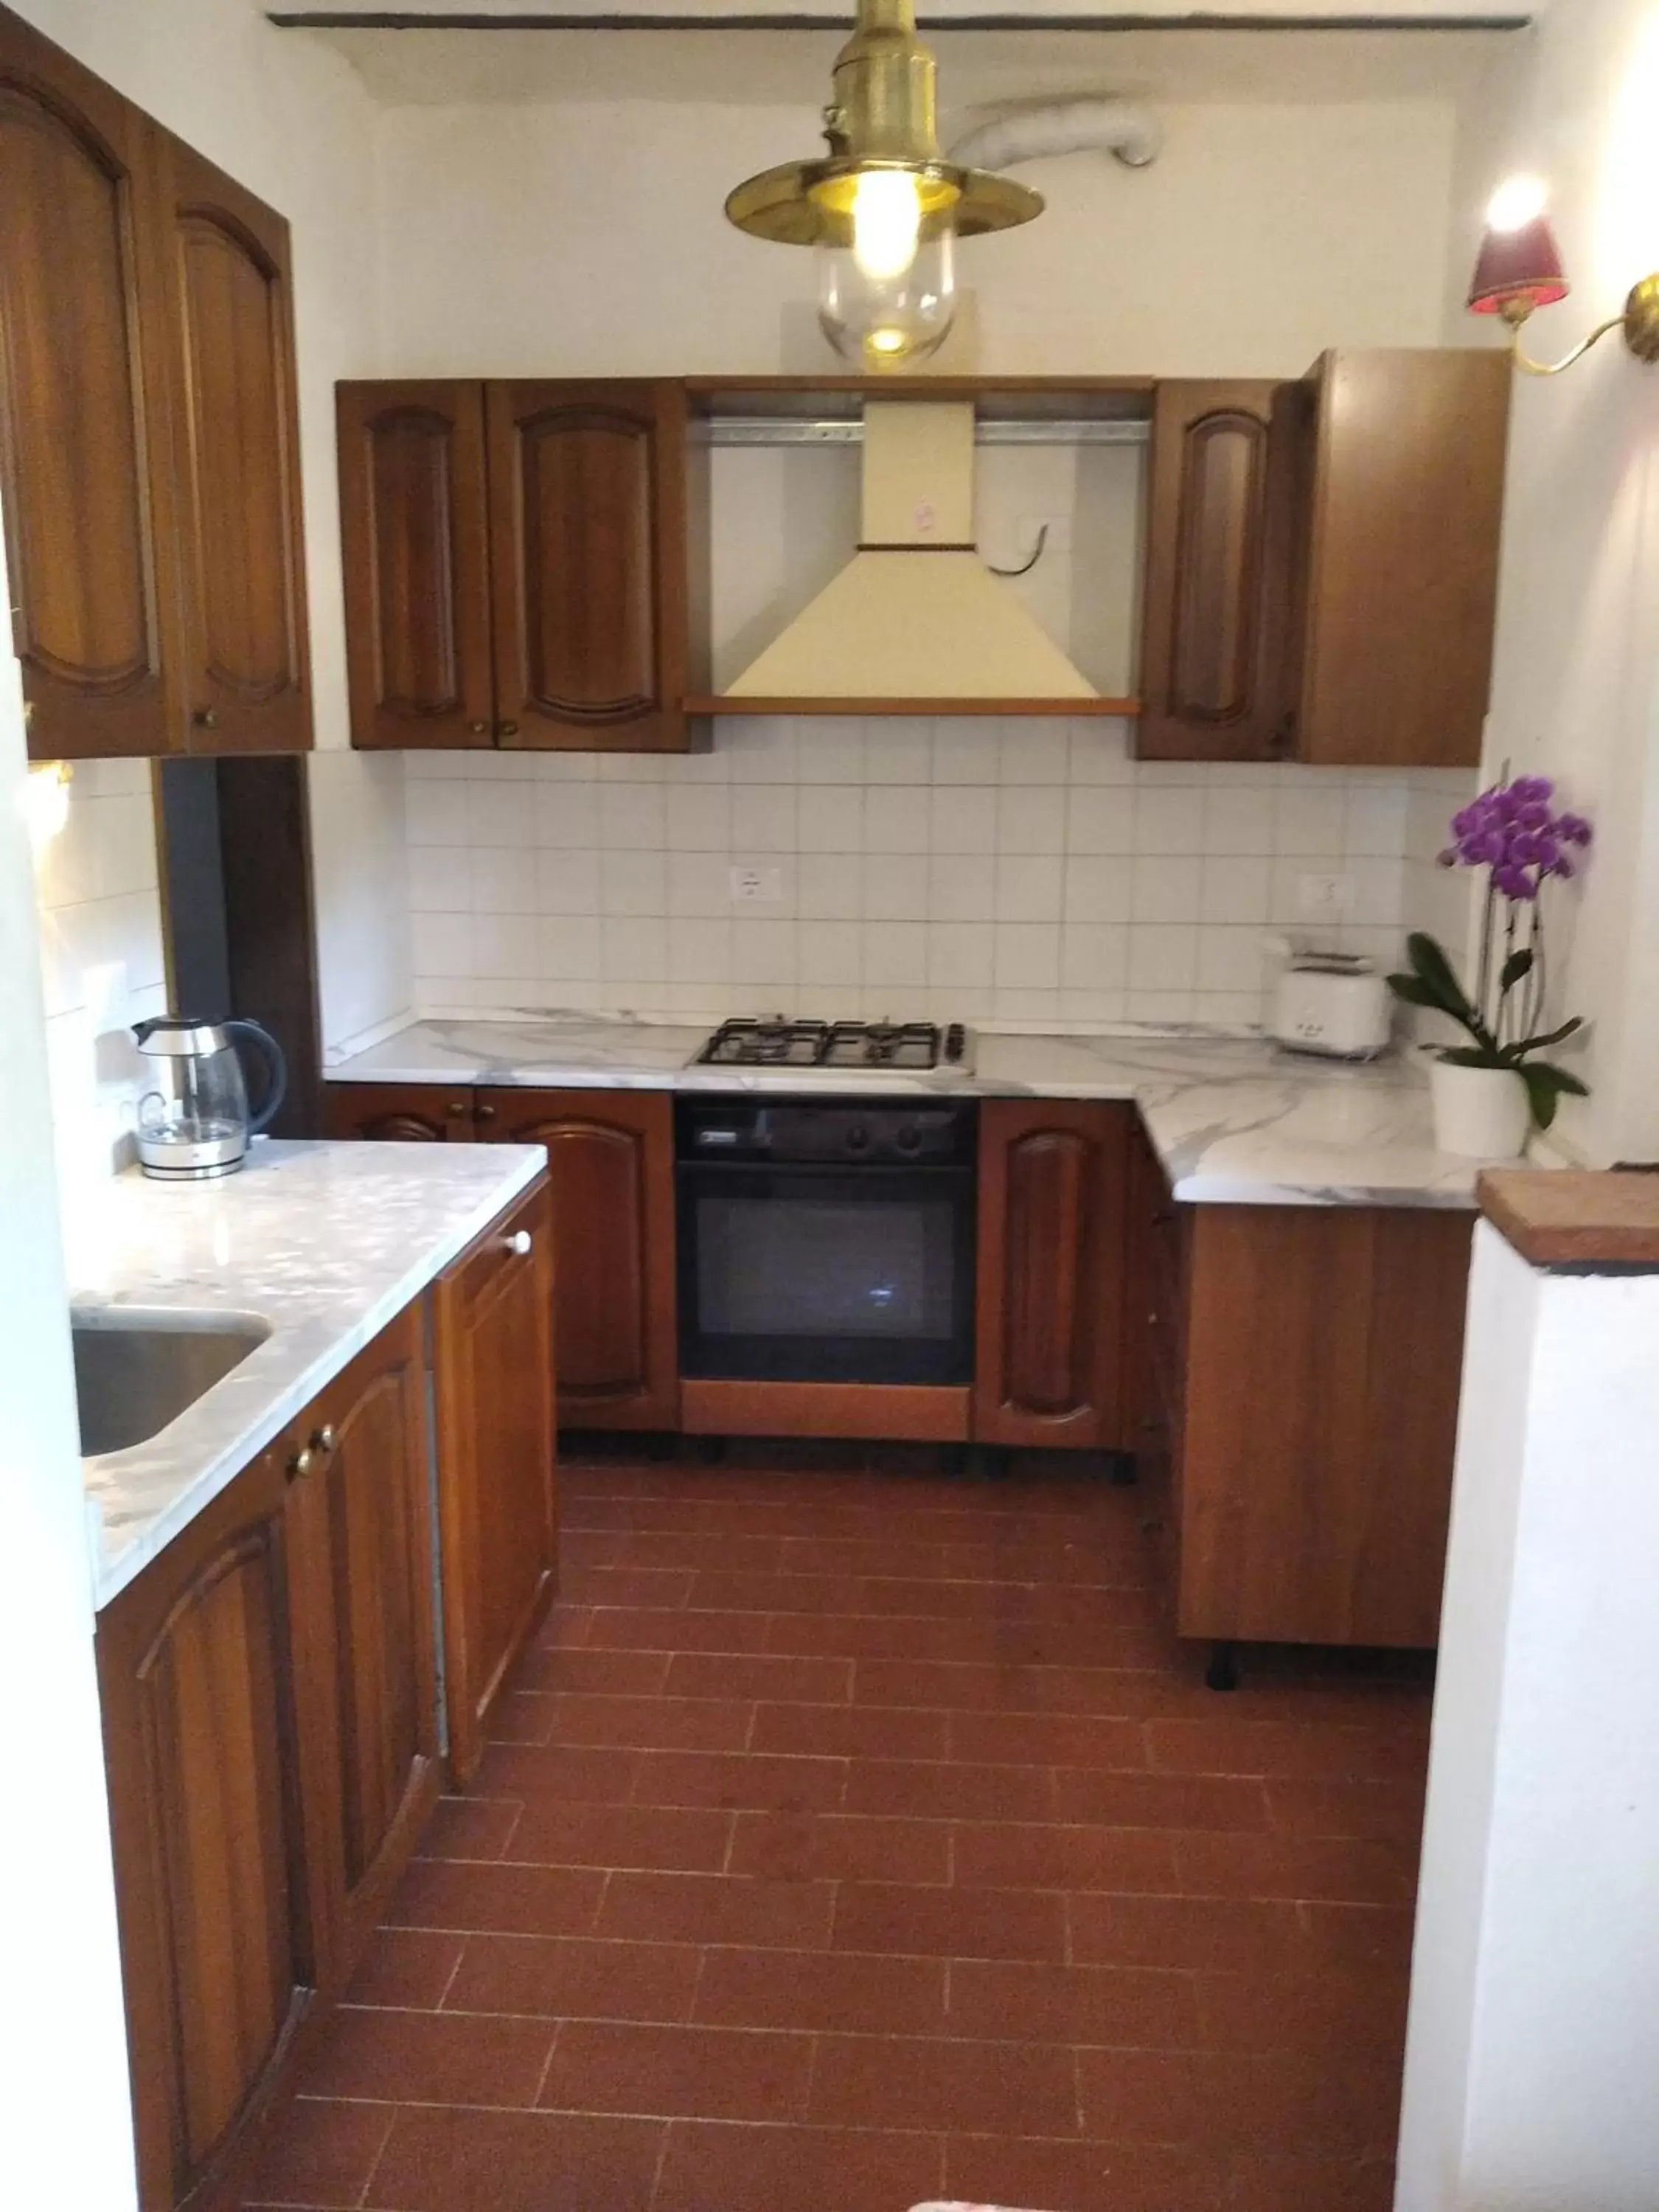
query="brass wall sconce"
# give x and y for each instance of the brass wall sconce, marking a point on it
(1519, 269)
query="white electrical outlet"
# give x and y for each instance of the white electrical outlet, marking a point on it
(761, 885)
(1324, 898)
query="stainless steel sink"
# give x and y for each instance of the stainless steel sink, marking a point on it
(137, 1369)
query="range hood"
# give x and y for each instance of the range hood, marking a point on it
(915, 614)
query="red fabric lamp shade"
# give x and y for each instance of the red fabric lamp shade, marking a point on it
(1517, 270)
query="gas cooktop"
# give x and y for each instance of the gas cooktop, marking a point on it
(839, 1049)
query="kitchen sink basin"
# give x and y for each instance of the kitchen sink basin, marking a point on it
(136, 1371)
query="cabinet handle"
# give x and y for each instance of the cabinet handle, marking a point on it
(1151, 1319)
(324, 1440)
(478, 729)
(301, 1463)
(456, 1108)
(206, 719)
(520, 1242)
(506, 729)
(484, 1110)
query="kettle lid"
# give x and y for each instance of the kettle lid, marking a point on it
(177, 1036)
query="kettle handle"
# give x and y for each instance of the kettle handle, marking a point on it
(276, 1072)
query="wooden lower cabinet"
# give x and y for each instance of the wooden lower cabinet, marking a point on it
(611, 1156)
(1052, 1180)
(496, 1446)
(400, 1113)
(1311, 1421)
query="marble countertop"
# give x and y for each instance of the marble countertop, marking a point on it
(1236, 1121)
(324, 1243)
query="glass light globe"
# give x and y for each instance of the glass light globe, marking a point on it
(880, 311)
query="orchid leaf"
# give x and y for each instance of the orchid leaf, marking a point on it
(1545, 1087)
(1414, 991)
(1473, 1055)
(1518, 964)
(1553, 1037)
(1434, 972)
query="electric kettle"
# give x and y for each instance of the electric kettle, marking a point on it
(195, 1122)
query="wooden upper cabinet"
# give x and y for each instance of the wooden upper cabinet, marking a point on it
(203, 1726)
(83, 423)
(1052, 1177)
(1406, 514)
(363, 1542)
(414, 533)
(236, 448)
(1219, 653)
(587, 541)
(496, 1451)
(399, 1113)
(610, 1154)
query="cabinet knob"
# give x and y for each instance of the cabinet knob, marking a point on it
(206, 719)
(301, 1463)
(506, 729)
(478, 729)
(1151, 1318)
(520, 1242)
(484, 1110)
(456, 1108)
(324, 1440)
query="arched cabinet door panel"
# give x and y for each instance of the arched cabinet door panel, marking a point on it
(398, 1113)
(610, 1155)
(1051, 1256)
(236, 444)
(1225, 556)
(588, 564)
(414, 530)
(83, 422)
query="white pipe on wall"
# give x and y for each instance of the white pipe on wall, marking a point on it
(1133, 134)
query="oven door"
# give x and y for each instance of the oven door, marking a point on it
(826, 1274)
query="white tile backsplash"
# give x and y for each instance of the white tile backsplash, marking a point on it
(979, 868)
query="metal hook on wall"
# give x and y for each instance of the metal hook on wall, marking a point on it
(1026, 568)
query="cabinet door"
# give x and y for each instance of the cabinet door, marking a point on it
(1051, 1235)
(236, 448)
(496, 1442)
(588, 564)
(203, 1722)
(84, 480)
(1224, 570)
(1402, 591)
(610, 1154)
(401, 1113)
(414, 539)
(361, 1512)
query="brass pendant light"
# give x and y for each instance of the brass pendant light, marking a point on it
(883, 207)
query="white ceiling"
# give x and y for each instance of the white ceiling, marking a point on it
(979, 68)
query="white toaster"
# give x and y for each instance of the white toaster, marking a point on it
(1332, 1003)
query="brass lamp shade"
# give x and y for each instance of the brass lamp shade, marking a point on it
(881, 116)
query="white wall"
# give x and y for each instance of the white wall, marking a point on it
(292, 122)
(1577, 686)
(575, 239)
(65, 2112)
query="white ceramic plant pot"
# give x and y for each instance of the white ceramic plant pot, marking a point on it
(1481, 1113)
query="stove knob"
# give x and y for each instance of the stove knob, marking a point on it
(908, 1137)
(858, 1138)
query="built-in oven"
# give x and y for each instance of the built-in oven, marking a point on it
(826, 1240)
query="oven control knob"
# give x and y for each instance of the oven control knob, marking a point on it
(908, 1137)
(858, 1138)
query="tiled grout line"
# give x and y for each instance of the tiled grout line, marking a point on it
(375, 2162)
(535, 2105)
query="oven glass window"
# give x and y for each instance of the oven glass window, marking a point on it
(815, 1268)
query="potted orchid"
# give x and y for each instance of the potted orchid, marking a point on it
(1488, 1092)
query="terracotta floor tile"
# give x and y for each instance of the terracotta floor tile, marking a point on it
(648, 1723)
(512, 1900)
(1237, 1933)
(677, 1550)
(1126, 2005)
(1226, 1802)
(781, 1680)
(1390, 1811)
(407, 1968)
(471, 2161)
(521, 1716)
(622, 1629)
(1357, 1938)
(1361, 2013)
(1263, 2184)
(430, 2058)
(1089, 2177)
(929, 1790)
(321, 2153)
(1290, 1748)
(823, 1990)
(756, 1781)
(897, 2081)
(1292, 2104)
(693, 1908)
(1013, 1855)
(1337, 1869)
(837, 1847)
(573, 1977)
(1048, 1740)
(597, 1775)
(947, 1924)
(605, 1672)
(469, 1828)
(691, 2073)
(691, 1841)
(769, 1594)
(847, 1732)
(710, 2167)
(1141, 2096)
(611, 1585)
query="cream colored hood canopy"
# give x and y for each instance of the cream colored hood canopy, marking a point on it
(915, 614)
